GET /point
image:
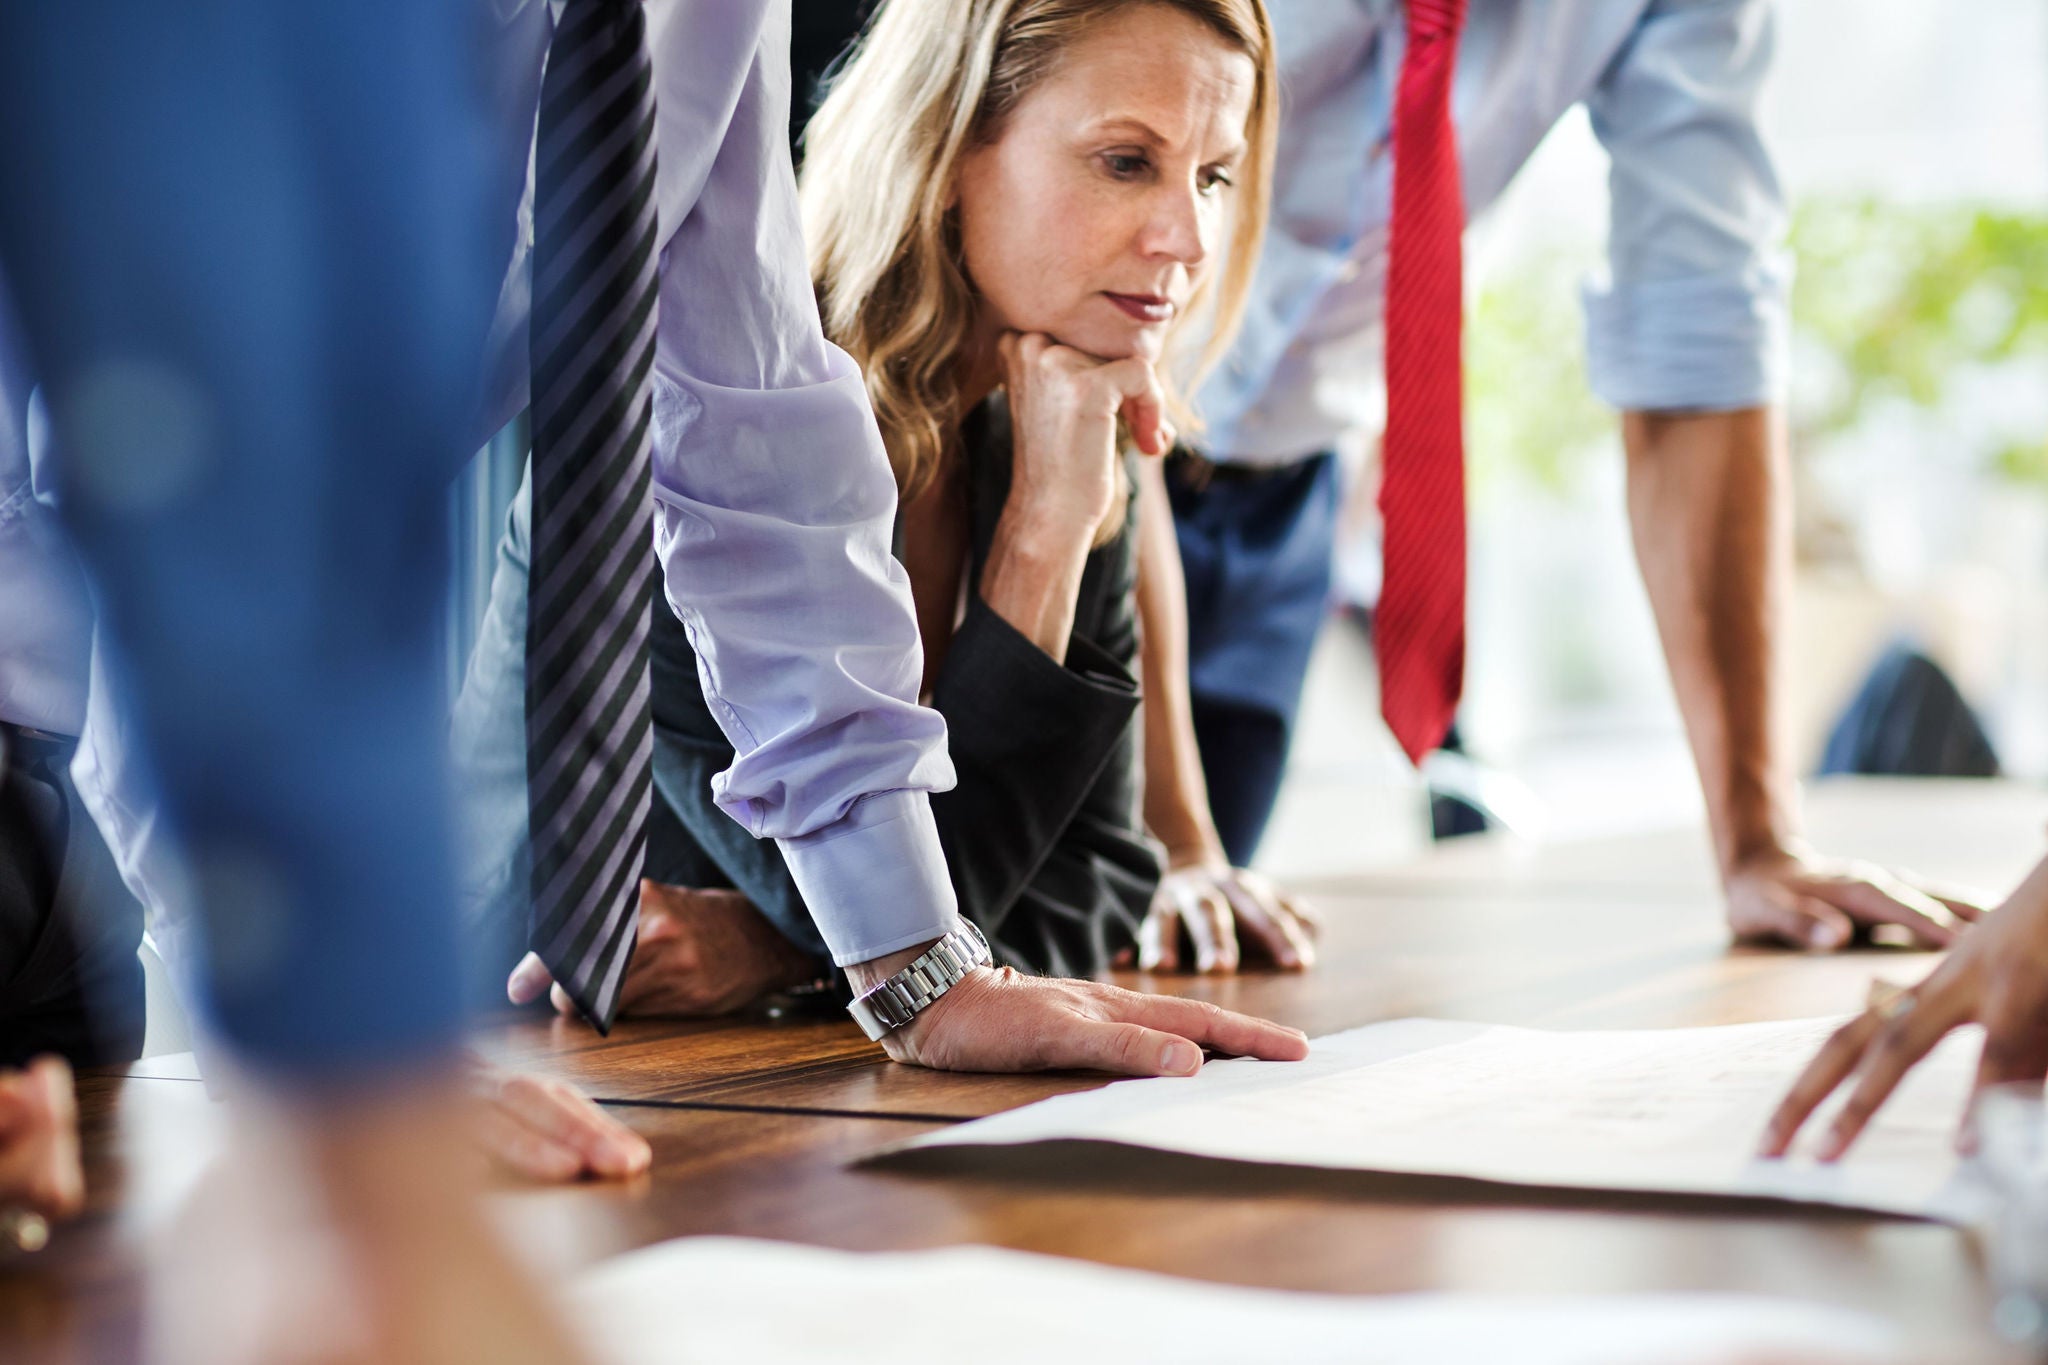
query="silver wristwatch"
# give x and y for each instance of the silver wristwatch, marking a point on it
(907, 994)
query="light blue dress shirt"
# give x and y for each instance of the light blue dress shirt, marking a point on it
(1691, 311)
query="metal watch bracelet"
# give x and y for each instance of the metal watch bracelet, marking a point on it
(900, 999)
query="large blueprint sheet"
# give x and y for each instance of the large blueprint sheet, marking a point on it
(716, 1300)
(1666, 1110)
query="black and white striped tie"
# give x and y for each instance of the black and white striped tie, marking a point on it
(591, 343)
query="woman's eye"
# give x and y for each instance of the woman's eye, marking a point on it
(1125, 165)
(1213, 181)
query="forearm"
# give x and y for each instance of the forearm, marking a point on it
(1033, 574)
(1176, 792)
(1710, 506)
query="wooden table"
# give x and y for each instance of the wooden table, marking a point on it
(754, 1122)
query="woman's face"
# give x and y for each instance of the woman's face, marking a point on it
(1096, 212)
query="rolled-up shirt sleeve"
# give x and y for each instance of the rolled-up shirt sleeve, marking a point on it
(774, 506)
(1692, 310)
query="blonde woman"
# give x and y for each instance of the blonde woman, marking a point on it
(983, 258)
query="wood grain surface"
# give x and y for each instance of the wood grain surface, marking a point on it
(756, 1121)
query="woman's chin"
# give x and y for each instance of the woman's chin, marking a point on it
(1125, 342)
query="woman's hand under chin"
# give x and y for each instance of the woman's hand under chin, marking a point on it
(1064, 407)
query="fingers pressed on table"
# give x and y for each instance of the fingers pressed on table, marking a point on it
(1794, 922)
(516, 1145)
(1304, 912)
(1209, 924)
(560, 1112)
(1872, 904)
(1159, 939)
(529, 980)
(1256, 928)
(1271, 922)
(1222, 932)
(1126, 1048)
(1240, 1035)
(1820, 924)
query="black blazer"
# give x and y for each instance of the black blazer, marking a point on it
(1042, 835)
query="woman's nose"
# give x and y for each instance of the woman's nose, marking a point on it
(1179, 227)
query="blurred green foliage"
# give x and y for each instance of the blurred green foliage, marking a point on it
(1896, 302)
(1530, 418)
(1890, 302)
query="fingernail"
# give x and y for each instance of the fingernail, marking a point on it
(1179, 1059)
(519, 988)
(1825, 936)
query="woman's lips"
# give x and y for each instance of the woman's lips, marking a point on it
(1149, 308)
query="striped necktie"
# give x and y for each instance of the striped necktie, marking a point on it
(591, 345)
(1419, 627)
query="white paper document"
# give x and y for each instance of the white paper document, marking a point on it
(706, 1300)
(1666, 1110)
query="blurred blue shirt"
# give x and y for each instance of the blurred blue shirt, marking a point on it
(45, 614)
(241, 241)
(1691, 311)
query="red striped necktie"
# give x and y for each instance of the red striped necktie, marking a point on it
(1419, 629)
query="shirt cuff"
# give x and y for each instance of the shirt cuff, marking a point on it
(1703, 343)
(875, 879)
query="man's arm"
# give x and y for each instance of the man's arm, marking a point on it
(1688, 336)
(1710, 503)
(774, 512)
(774, 507)
(1710, 508)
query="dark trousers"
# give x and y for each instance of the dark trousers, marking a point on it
(70, 982)
(1256, 548)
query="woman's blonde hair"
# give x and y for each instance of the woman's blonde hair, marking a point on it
(929, 80)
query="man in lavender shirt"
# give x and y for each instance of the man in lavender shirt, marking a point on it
(773, 513)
